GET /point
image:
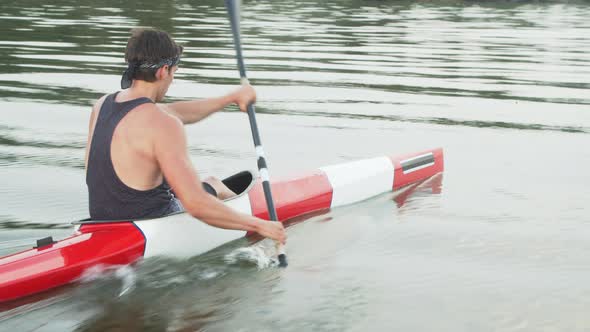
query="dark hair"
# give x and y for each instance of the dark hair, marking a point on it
(152, 47)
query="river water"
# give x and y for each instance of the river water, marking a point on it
(500, 242)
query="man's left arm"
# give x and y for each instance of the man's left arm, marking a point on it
(196, 110)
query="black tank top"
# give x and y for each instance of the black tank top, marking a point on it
(109, 198)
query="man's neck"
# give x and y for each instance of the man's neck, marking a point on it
(140, 89)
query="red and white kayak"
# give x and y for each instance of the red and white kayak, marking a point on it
(93, 243)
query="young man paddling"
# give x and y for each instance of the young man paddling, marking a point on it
(137, 149)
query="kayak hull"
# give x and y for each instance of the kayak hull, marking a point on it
(124, 242)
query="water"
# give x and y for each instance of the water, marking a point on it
(499, 243)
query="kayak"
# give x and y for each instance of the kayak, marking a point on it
(51, 264)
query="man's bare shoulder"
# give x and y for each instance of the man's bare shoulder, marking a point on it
(157, 119)
(98, 104)
(165, 130)
(147, 127)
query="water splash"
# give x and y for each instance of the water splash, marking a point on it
(125, 273)
(261, 254)
(128, 278)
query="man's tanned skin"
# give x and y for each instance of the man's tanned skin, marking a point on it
(149, 144)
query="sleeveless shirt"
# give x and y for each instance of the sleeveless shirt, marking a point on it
(109, 198)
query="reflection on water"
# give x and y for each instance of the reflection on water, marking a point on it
(502, 86)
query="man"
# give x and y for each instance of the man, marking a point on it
(137, 150)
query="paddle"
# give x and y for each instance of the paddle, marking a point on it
(233, 10)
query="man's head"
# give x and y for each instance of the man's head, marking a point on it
(152, 56)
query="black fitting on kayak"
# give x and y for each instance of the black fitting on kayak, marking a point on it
(46, 241)
(261, 163)
(283, 260)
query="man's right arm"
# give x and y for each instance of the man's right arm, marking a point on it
(170, 149)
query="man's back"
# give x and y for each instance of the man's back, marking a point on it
(123, 175)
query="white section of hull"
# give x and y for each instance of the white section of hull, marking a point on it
(184, 236)
(356, 181)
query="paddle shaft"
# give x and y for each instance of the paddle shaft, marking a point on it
(234, 18)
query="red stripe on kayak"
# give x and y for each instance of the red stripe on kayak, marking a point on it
(294, 196)
(401, 180)
(38, 270)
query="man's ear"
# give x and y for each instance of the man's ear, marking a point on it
(162, 72)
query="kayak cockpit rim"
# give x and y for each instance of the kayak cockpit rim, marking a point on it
(241, 183)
